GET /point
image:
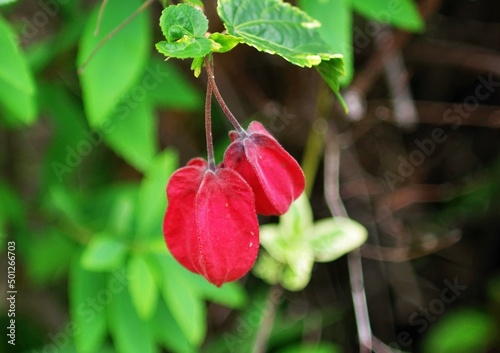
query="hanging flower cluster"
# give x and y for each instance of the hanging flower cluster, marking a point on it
(210, 225)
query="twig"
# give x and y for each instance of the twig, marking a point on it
(267, 323)
(99, 17)
(397, 81)
(113, 33)
(334, 201)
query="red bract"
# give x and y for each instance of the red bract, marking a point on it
(274, 176)
(210, 226)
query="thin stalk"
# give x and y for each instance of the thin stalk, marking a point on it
(220, 100)
(208, 128)
(336, 206)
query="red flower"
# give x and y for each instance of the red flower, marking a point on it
(275, 177)
(210, 226)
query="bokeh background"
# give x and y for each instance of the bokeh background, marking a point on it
(415, 160)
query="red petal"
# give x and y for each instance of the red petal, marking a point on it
(275, 177)
(229, 229)
(179, 229)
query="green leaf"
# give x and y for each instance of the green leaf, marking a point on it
(198, 3)
(103, 253)
(120, 217)
(181, 298)
(226, 41)
(336, 30)
(399, 13)
(130, 334)
(182, 20)
(335, 237)
(166, 331)
(465, 331)
(131, 131)
(17, 87)
(72, 141)
(6, 2)
(230, 294)
(187, 47)
(11, 208)
(152, 200)
(49, 256)
(87, 309)
(118, 64)
(276, 27)
(173, 91)
(320, 347)
(333, 72)
(184, 27)
(142, 286)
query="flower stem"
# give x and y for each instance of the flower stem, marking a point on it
(208, 129)
(220, 100)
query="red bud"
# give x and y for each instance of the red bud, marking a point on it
(210, 226)
(274, 176)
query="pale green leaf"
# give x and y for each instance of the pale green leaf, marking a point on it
(297, 270)
(226, 41)
(152, 199)
(297, 220)
(118, 64)
(17, 86)
(274, 241)
(465, 331)
(130, 334)
(335, 237)
(131, 130)
(142, 286)
(87, 307)
(268, 268)
(276, 27)
(336, 29)
(103, 253)
(6, 2)
(399, 13)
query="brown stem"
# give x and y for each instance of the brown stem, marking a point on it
(220, 100)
